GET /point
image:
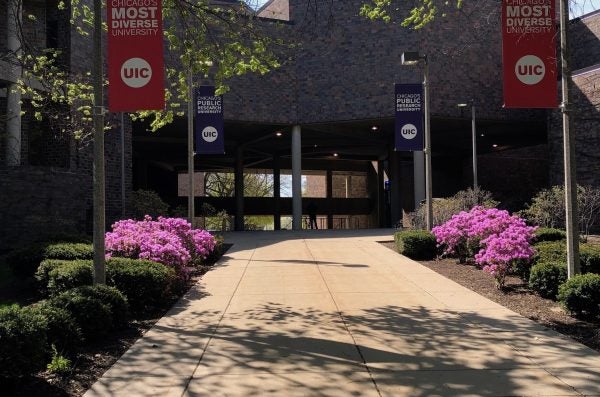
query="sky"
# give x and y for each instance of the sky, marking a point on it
(578, 7)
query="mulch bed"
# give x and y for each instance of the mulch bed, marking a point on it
(93, 360)
(517, 297)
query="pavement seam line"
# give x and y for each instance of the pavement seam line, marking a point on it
(187, 385)
(337, 308)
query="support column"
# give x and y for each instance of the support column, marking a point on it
(395, 198)
(297, 177)
(380, 194)
(419, 177)
(277, 193)
(329, 199)
(13, 95)
(239, 189)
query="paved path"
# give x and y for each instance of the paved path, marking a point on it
(336, 314)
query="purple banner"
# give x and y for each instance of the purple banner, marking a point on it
(210, 138)
(409, 117)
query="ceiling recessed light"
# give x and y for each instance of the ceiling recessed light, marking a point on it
(315, 146)
(482, 135)
(494, 145)
(335, 155)
(374, 128)
(279, 133)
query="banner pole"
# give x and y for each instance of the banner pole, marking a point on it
(191, 209)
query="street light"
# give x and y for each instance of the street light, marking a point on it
(473, 139)
(410, 59)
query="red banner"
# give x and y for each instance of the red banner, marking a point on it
(529, 53)
(135, 55)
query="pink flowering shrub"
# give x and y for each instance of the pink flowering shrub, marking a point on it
(170, 241)
(496, 240)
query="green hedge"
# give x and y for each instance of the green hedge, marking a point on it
(144, 283)
(556, 251)
(580, 295)
(25, 261)
(70, 275)
(42, 275)
(69, 251)
(549, 234)
(62, 330)
(416, 244)
(23, 343)
(589, 257)
(546, 277)
(93, 316)
(116, 301)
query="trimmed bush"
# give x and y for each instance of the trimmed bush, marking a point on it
(143, 282)
(62, 329)
(546, 277)
(589, 257)
(549, 234)
(556, 251)
(70, 275)
(580, 295)
(69, 251)
(416, 244)
(24, 261)
(22, 342)
(42, 275)
(112, 297)
(550, 251)
(93, 316)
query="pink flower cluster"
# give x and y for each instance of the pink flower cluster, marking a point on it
(170, 241)
(493, 237)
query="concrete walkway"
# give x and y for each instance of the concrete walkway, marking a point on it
(320, 313)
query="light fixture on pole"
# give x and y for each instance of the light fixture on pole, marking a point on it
(473, 139)
(410, 59)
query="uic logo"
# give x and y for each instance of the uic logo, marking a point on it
(530, 69)
(136, 72)
(210, 134)
(408, 131)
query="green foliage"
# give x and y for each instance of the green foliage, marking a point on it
(59, 364)
(444, 208)
(416, 244)
(62, 329)
(25, 261)
(589, 257)
(42, 275)
(69, 251)
(217, 252)
(70, 275)
(580, 295)
(550, 251)
(147, 202)
(112, 297)
(547, 208)
(92, 315)
(556, 251)
(143, 282)
(549, 234)
(546, 277)
(422, 12)
(22, 342)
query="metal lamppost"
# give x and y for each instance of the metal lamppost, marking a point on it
(411, 59)
(473, 139)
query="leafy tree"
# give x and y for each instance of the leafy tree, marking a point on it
(223, 40)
